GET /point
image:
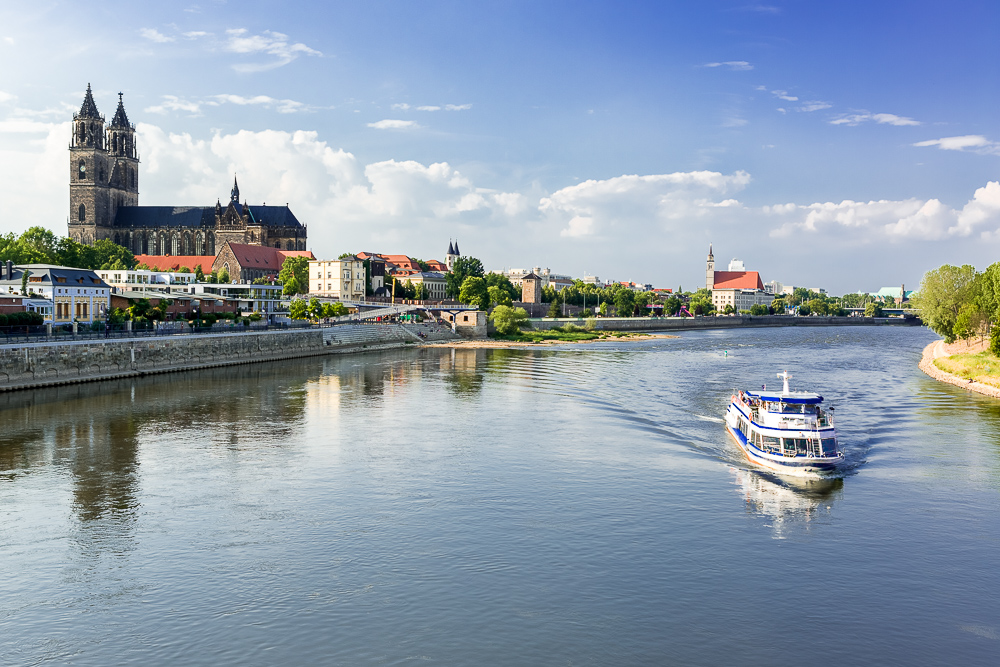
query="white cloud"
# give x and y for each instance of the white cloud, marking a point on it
(457, 107)
(734, 121)
(880, 118)
(909, 219)
(9, 40)
(814, 105)
(269, 43)
(194, 107)
(783, 95)
(174, 103)
(195, 34)
(23, 126)
(389, 124)
(6, 97)
(402, 106)
(638, 204)
(154, 35)
(734, 65)
(975, 142)
(428, 108)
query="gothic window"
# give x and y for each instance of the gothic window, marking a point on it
(175, 244)
(82, 172)
(82, 213)
(145, 245)
(289, 245)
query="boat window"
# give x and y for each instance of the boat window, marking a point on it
(771, 442)
(829, 446)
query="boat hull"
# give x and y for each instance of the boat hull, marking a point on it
(796, 465)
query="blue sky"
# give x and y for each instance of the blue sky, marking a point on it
(846, 145)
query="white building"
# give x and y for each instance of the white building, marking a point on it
(434, 281)
(76, 295)
(149, 281)
(342, 278)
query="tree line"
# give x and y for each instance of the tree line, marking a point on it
(38, 245)
(960, 303)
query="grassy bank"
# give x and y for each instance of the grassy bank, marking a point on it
(981, 367)
(568, 334)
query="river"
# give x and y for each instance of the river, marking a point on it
(574, 506)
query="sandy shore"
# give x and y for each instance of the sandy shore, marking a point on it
(939, 349)
(546, 343)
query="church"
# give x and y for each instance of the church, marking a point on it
(104, 200)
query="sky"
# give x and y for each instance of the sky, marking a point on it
(847, 145)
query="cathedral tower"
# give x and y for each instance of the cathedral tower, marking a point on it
(710, 270)
(123, 160)
(88, 164)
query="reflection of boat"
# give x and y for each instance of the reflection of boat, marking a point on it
(787, 500)
(787, 431)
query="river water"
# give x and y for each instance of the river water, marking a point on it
(573, 506)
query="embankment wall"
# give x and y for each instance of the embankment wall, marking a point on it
(30, 365)
(695, 323)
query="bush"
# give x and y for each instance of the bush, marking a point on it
(995, 341)
(507, 320)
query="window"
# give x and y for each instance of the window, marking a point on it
(82, 213)
(82, 171)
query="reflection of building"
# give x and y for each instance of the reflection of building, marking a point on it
(104, 200)
(736, 287)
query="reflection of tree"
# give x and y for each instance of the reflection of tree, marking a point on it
(462, 370)
(787, 501)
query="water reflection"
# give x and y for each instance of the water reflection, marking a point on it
(788, 502)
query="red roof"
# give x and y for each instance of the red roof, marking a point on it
(738, 280)
(174, 262)
(435, 265)
(264, 257)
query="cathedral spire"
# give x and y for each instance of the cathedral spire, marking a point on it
(120, 119)
(234, 196)
(89, 108)
(451, 248)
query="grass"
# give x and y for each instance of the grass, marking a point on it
(568, 333)
(980, 366)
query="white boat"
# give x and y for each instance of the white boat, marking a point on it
(788, 432)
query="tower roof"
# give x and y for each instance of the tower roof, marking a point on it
(451, 248)
(120, 119)
(234, 195)
(89, 108)
(457, 252)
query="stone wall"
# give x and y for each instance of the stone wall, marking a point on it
(693, 323)
(42, 364)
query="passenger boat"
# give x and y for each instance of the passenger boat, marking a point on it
(788, 432)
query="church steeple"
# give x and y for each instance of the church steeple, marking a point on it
(121, 119)
(710, 270)
(234, 195)
(88, 109)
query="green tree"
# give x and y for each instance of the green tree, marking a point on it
(758, 309)
(624, 302)
(298, 309)
(498, 296)
(509, 320)
(109, 255)
(502, 282)
(555, 309)
(315, 308)
(199, 274)
(817, 306)
(24, 281)
(464, 267)
(334, 309)
(804, 309)
(603, 310)
(778, 305)
(943, 292)
(291, 286)
(224, 277)
(297, 268)
(873, 309)
(642, 299)
(474, 292)
(728, 310)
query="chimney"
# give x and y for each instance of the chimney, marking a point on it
(10, 270)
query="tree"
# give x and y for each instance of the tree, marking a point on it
(624, 302)
(873, 309)
(334, 309)
(474, 292)
(498, 296)
(199, 274)
(758, 309)
(297, 268)
(943, 291)
(603, 310)
(502, 282)
(555, 309)
(297, 309)
(224, 276)
(804, 309)
(464, 267)
(778, 305)
(671, 305)
(24, 281)
(639, 307)
(315, 308)
(817, 306)
(728, 310)
(108, 255)
(509, 320)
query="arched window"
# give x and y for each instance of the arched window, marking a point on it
(175, 244)
(82, 171)
(82, 213)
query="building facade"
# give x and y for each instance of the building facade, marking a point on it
(104, 200)
(76, 294)
(342, 278)
(736, 287)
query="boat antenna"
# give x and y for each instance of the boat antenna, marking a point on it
(784, 376)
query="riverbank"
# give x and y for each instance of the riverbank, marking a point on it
(941, 350)
(506, 344)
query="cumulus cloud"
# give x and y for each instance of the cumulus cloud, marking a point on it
(457, 107)
(7, 97)
(813, 105)
(195, 34)
(631, 203)
(880, 118)
(403, 106)
(908, 219)
(154, 35)
(428, 108)
(783, 95)
(390, 124)
(734, 65)
(270, 43)
(969, 142)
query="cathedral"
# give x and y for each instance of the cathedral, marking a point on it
(104, 200)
